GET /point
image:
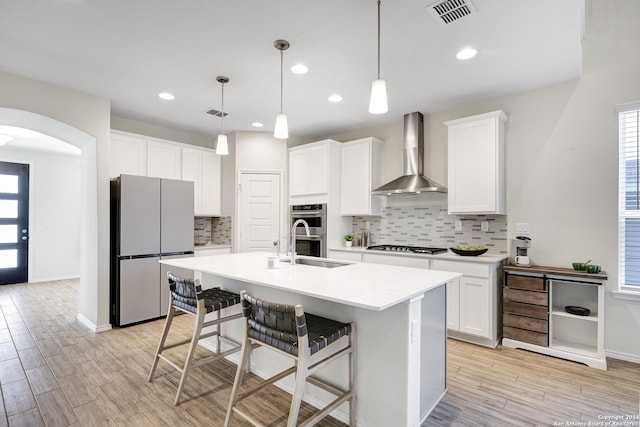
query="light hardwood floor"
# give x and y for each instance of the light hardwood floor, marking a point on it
(55, 372)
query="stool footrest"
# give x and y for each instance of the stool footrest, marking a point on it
(248, 392)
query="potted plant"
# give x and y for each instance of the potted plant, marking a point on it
(348, 239)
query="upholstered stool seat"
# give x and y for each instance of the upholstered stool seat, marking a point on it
(187, 295)
(292, 332)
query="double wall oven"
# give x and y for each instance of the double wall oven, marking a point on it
(316, 216)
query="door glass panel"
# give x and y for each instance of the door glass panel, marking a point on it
(9, 233)
(9, 258)
(8, 209)
(9, 184)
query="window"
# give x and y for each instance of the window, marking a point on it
(629, 198)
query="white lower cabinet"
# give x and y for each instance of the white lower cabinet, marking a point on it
(473, 302)
(401, 260)
(453, 305)
(345, 256)
(475, 306)
(212, 251)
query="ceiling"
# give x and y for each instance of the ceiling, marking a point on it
(130, 50)
(26, 139)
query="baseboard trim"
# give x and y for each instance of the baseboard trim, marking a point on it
(622, 356)
(89, 324)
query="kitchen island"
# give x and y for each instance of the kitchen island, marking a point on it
(399, 315)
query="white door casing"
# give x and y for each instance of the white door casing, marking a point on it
(259, 210)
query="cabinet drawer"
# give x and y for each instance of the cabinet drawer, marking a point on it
(524, 322)
(536, 338)
(528, 297)
(466, 268)
(526, 283)
(537, 311)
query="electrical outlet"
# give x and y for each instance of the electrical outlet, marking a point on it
(458, 225)
(367, 225)
(522, 227)
(484, 226)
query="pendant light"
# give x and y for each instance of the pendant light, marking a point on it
(281, 130)
(222, 147)
(378, 101)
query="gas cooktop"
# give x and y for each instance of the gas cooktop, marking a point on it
(410, 249)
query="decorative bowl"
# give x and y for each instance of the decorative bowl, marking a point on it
(468, 252)
(574, 309)
(592, 268)
(578, 266)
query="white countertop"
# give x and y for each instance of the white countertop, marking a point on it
(364, 285)
(487, 258)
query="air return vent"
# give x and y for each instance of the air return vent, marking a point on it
(217, 113)
(450, 11)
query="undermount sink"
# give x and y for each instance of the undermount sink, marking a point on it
(317, 262)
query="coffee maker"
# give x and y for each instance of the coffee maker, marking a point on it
(522, 245)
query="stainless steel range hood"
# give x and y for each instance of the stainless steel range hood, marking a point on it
(413, 181)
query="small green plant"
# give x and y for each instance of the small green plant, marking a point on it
(348, 237)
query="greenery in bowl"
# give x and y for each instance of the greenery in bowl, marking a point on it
(348, 237)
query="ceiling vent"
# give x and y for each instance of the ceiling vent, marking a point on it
(217, 113)
(450, 11)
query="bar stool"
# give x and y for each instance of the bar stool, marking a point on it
(290, 331)
(187, 296)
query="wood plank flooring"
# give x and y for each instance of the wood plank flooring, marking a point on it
(55, 372)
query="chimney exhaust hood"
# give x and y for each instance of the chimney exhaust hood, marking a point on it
(413, 181)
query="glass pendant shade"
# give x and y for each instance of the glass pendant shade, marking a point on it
(378, 102)
(222, 148)
(281, 130)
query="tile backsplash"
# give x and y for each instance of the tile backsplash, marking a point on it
(433, 226)
(215, 230)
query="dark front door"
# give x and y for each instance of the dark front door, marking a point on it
(14, 222)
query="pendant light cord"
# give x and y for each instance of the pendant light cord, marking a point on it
(378, 39)
(222, 113)
(281, 78)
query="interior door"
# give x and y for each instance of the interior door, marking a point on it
(14, 223)
(259, 211)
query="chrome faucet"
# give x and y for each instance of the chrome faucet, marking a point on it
(293, 237)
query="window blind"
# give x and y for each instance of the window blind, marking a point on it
(629, 196)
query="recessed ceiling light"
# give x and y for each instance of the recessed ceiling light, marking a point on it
(466, 53)
(166, 95)
(257, 124)
(299, 69)
(335, 98)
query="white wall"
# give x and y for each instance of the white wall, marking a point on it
(251, 152)
(141, 128)
(562, 158)
(54, 214)
(83, 120)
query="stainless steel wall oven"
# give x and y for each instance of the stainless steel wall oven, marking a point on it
(316, 216)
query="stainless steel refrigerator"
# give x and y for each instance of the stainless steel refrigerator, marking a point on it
(151, 219)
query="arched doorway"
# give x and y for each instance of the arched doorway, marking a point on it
(88, 290)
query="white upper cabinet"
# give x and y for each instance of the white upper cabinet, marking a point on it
(128, 155)
(164, 160)
(211, 183)
(360, 173)
(141, 155)
(476, 153)
(309, 168)
(202, 167)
